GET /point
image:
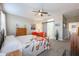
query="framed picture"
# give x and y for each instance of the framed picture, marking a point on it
(73, 26)
(33, 27)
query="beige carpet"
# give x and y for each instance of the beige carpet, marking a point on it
(57, 48)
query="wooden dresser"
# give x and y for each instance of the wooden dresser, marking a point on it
(21, 31)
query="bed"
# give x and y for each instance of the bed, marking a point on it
(32, 44)
(29, 45)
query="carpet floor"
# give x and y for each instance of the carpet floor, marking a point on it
(57, 48)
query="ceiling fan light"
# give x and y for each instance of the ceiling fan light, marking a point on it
(39, 14)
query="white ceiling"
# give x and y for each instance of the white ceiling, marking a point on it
(25, 9)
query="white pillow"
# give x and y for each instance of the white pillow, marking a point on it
(10, 44)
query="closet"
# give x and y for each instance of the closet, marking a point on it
(49, 28)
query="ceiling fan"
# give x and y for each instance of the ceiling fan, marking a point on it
(41, 12)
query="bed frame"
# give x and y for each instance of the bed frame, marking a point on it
(21, 31)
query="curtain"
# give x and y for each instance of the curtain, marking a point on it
(3, 23)
(0, 21)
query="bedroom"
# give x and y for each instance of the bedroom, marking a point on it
(25, 22)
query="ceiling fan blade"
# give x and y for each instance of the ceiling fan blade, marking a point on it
(44, 12)
(34, 11)
(36, 14)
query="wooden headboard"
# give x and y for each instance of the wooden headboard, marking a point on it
(21, 31)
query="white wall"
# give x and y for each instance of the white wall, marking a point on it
(39, 27)
(12, 20)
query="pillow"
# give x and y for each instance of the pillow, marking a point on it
(42, 34)
(10, 44)
(34, 33)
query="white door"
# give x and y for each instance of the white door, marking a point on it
(50, 30)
